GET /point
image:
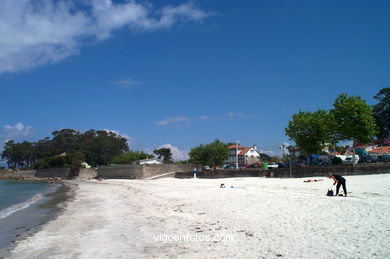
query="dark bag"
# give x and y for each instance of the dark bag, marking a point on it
(330, 192)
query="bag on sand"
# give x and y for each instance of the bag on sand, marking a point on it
(330, 192)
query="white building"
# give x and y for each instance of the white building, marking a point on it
(150, 161)
(245, 155)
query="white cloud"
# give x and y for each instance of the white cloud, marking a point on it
(177, 154)
(38, 32)
(171, 120)
(126, 83)
(238, 115)
(15, 132)
(227, 116)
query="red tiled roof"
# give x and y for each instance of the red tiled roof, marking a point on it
(244, 151)
(235, 146)
(364, 146)
(380, 150)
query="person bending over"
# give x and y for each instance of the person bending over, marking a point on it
(339, 180)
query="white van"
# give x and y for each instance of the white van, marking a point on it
(348, 160)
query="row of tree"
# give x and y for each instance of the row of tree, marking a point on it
(96, 147)
(351, 118)
(70, 148)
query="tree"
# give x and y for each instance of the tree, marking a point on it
(72, 161)
(18, 154)
(97, 148)
(100, 146)
(213, 154)
(164, 153)
(310, 130)
(65, 141)
(381, 112)
(353, 119)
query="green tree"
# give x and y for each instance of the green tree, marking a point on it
(72, 161)
(164, 153)
(18, 154)
(98, 147)
(212, 154)
(65, 141)
(353, 119)
(381, 112)
(310, 130)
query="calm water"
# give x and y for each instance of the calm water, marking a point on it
(14, 192)
(20, 207)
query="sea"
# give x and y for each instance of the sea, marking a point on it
(22, 208)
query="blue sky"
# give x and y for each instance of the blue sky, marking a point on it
(184, 73)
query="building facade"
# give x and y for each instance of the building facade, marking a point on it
(245, 155)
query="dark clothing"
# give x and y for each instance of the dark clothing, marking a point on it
(339, 178)
(340, 181)
(338, 188)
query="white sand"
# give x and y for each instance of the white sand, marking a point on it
(268, 218)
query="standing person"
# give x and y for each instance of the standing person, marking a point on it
(339, 180)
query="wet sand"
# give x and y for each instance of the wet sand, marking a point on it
(26, 222)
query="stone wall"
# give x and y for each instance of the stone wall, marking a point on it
(63, 173)
(86, 173)
(120, 172)
(28, 174)
(141, 171)
(185, 171)
(296, 172)
(308, 171)
(220, 174)
(107, 172)
(155, 170)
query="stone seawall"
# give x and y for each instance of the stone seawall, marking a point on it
(120, 172)
(296, 172)
(18, 175)
(362, 169)
(86, 173)
(63, 173)
(141, 171)
(185, 171)
(156, 170)
(107, 172)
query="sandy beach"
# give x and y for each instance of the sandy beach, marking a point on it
(260, 218)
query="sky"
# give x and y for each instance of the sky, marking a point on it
(181, 73)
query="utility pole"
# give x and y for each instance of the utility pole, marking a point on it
(237, 154)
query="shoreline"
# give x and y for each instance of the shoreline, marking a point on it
(48, 209)
(266, 217)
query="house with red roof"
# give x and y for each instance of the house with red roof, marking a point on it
(245, 155)
(384, 150)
